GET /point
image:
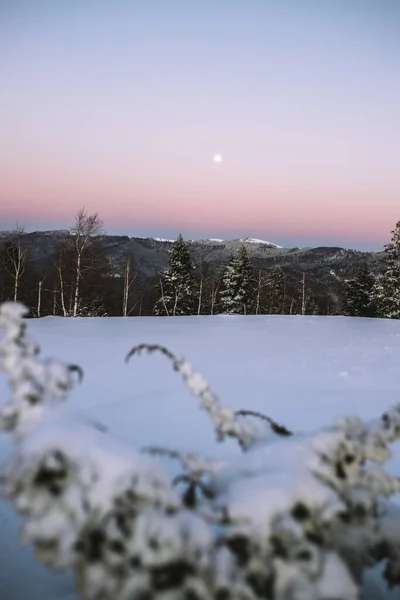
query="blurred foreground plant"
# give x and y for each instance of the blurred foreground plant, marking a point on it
(289, 517)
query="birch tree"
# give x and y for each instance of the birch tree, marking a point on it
(128, 278)
(16, 254)
(215, 285)
(39, 298)
(262, 283)
(61, 266)
(203, 274)
(86, 228)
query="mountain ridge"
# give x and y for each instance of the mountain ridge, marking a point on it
(324, 267)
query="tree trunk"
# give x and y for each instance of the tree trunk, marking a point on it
(16, 278)
(55, 302)
(77, 280)
(127, 286)
(39, 300)
(214, 292)
(259, 286)
(200, 295)
(62, 297)
(163, 297)
(126, 290)
(303, 296)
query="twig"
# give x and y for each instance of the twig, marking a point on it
(276, 428)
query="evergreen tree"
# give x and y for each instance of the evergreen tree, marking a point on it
(387, 287)
(359, 293)
(237, 295)
(177, 293)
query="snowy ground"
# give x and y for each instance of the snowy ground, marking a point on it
(302, 371)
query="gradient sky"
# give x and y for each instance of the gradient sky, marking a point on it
(119, 106)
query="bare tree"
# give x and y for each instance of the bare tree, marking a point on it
(262, 282)
(129, 279)
(39, 298)
(162, 299)
(215, 285)
(202, 278)
(303, 295)
(62, 293)
(16, 255)
(85, 229)
(202, 272)
(59, 264)
(306, 299)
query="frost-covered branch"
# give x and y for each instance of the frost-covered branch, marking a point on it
(225, 421)
(35, 385)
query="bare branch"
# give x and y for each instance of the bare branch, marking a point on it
(279, 429)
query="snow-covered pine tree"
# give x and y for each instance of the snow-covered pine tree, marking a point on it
(237, 294)
(387, 287)
(359, 294)
(177, 284)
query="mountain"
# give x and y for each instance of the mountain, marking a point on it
(325, 268)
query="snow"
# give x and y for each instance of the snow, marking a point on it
(163, 240)
(304, 372)
(256, 241)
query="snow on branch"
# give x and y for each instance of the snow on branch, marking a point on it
(35, 385)
(301, 518)
(224, 419)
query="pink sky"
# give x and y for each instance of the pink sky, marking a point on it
(122, 110)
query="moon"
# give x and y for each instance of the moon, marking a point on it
(217, 158)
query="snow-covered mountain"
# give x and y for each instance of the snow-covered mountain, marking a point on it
(325, 267)
(246, 240)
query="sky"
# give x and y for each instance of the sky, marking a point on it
(121, 106)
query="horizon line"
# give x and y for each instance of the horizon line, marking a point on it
(247, 239)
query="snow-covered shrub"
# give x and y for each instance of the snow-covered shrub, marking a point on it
(289, 517)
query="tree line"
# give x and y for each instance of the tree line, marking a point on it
(234, 288)
(370, 295)
(78, 279)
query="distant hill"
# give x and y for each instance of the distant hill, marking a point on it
(325, 267)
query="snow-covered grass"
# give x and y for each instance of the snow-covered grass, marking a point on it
(304, 372)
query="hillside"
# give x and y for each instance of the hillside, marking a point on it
(151, 254)
(325, 267)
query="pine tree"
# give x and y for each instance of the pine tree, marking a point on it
(359, 294)
(237, 295)
(177, 284)
(387, 287)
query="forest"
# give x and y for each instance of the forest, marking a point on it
(78, 277)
